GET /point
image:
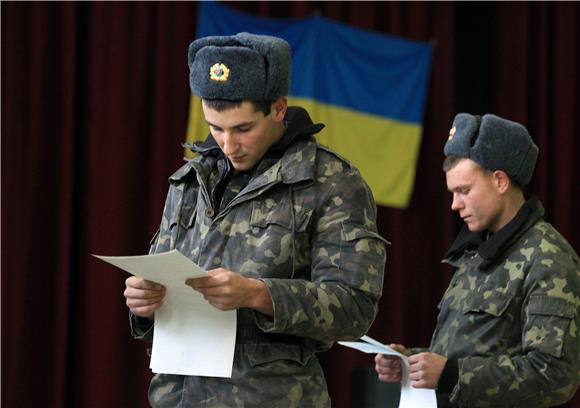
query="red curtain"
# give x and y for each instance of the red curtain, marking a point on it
(94, 108)
(537, 83)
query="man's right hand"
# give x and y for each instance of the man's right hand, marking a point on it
(390, 368)
(143, 297)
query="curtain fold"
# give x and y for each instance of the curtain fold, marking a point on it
(38, 141)
(536, 79)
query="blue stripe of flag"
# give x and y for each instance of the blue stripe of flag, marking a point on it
(337, 64)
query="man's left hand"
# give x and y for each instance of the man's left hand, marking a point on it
(227, 290)
(425, 369)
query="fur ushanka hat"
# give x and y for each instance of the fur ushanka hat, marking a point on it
(494, 143)
(240, 67)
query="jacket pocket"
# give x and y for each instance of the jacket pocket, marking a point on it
(548, 322)
(494, 305)
(361, 257)
(281, 354)
(281, 238)
(272, 212)
(184, 213)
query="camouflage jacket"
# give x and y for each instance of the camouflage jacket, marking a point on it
(510, 316)
(303, 222)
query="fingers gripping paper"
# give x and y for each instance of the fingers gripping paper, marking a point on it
(410, 397)
(191, 337)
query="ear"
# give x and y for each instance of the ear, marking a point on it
(279, 107)
(501, 181)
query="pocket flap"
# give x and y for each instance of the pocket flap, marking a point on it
(266, 353)
(551, 306)
(352, 232)
(494, 305)
(270, 211)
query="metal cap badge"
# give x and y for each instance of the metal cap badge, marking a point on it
(219, 72)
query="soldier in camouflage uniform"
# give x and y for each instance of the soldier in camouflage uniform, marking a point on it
(285, 227)
(507, 331)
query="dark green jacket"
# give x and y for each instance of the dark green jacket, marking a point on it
(509, 319)
(303, 221)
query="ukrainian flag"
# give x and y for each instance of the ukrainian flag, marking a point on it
(368, 88)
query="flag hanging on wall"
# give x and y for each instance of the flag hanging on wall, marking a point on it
(369, 89)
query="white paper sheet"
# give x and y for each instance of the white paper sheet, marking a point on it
(191, 337)
(410, 397)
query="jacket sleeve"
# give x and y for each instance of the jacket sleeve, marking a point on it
(348, 258)
(142, 328)
(546, 370)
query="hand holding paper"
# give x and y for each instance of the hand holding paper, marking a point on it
(229, 290)
(191, 336)
(370, 345)
(143, 297)
(390, 367)
(410, 397)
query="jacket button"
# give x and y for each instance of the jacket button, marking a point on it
(209, 212)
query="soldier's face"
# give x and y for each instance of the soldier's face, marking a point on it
(475, 196)
(243, 134)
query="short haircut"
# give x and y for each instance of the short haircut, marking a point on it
(451, 161)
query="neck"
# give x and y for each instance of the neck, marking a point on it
(514, 201)
(279, 128)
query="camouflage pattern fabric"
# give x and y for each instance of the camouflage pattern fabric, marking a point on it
(514, 326)
(304, 222)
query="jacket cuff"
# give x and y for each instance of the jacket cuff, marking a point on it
(141, 327)
(264, 322)
(449, 376)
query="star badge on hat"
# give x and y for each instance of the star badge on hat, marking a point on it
(452, 132)
(219, 72)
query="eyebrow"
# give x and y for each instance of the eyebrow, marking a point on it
(250, 123)
(459, 187)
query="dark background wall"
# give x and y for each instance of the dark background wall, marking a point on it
(94, 109)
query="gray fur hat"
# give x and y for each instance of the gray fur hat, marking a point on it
(495, 143)
(240, 67)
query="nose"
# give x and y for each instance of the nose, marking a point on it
(230, 144)
(456, 203)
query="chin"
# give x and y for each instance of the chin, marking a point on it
(475, 227)
(241, 167)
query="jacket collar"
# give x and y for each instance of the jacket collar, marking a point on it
(492, 249)
(284, 160)
(298, 124)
